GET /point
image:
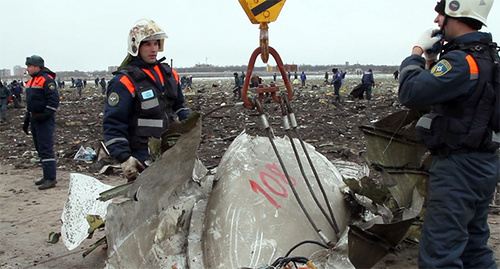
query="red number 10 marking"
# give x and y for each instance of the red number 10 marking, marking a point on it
(282, 192)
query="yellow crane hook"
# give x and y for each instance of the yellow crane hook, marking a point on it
(263, 12)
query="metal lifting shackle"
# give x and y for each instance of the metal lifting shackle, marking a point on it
(261, 90)
(263, 12)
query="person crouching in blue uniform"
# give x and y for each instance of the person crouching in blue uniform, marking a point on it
(143, 98)
(462, 132)
(42, 101)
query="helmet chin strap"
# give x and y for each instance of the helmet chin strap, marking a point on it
(443, 32)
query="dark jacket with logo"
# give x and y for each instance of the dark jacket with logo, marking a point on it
(143, 100)
(457, 89)
(42, 97)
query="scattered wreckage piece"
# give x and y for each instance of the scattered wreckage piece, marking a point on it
(399, 199)
(83, 194)
(175, 215)
(391, 142)
(133, 223)
(252, 216)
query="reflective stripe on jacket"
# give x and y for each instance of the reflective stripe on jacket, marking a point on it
(41, 93)
(141, 104)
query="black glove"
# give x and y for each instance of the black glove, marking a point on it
(26, 124)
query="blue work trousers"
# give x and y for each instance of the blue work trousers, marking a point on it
(43, 137)
(336, 90)
(368, 90)
(455, 232)
(3, 107)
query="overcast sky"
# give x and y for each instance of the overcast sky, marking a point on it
(92, 35)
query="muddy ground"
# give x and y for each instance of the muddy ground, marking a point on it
(28, 215)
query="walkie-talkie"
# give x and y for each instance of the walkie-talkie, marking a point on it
(436, 48)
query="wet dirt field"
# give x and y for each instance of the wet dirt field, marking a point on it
(28, 215)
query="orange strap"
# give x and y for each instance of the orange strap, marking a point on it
(176, 76)
(158, 71)
(126, 81)
(149, 74)
(130, 86)
(474, 70)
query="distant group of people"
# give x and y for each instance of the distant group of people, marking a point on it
(5, 94)
(10, 93)
(367, 81)
(81, 84)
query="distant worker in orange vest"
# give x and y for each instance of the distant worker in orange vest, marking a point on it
(143, 98)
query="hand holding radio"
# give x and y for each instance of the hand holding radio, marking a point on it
(427, 41)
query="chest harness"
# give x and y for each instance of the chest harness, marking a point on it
(155, 92)
(469, 123)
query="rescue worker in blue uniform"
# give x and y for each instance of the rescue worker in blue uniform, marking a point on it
(143, 98)
(42, 101)
(368, 82)
(337, 83)
(461, 130)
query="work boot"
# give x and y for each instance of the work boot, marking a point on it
(40, 181)
(49, 183)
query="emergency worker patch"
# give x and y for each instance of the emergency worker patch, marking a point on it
(148, 94)
(52, 86)
(113, 99)
(454, 6)
(441, 68)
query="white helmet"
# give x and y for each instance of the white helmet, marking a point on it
(474, 9)
(144, 30)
